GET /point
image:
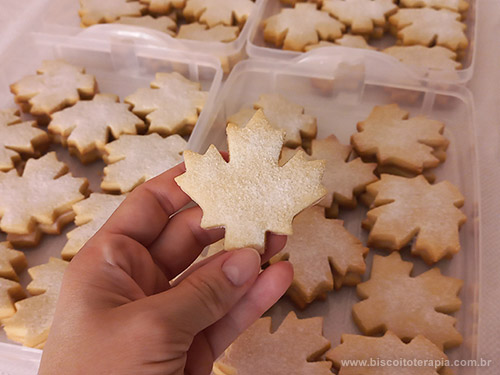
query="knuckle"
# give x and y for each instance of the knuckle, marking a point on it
(209, 292)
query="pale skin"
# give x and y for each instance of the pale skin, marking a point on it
(119, 314)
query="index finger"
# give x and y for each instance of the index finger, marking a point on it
(145, 212)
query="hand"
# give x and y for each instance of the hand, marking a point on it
(119, 314)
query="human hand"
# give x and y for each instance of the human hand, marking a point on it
(117, 311)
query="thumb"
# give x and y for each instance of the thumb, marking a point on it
(208, 294)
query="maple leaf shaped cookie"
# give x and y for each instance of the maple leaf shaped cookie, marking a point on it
(387, 348)
(86, 127)
(294, 348)
(56, 85)
(163, 24)
(432, 58)
(133, 160)
(361, 15)
(171, 105)
(219, 33)
(91, 214)
(163, 6)
(281, 114)
(251, 194)
(215, 12)
(427, 26)
(10, 292)
(296, 28)
(316, 244)
(454, 5)
(17, 138)
(31, 323)
(98, 11)
(39, 196)
(411, 207)
(408, 306)
(409, 144)
(11, 261)
(353, 41)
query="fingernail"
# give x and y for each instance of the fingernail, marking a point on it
(241, 266)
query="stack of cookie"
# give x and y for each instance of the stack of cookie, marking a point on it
(429, 33)
(203, 20)
(384, 166)
(37, 194)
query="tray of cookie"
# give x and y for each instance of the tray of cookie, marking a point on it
(436, 38)
(70, 109)
(386, 264)
(216, 27)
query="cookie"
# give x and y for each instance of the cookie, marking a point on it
(317, 246)
(343, 179)
(396, 140)
(295, 29)
(86, 127)
(39, 196)
(454, 5)
(427, 26)
(31, 323)
(361, 350)
(134, 159)
(91, 214)
(353, 41)
(198, 31)
(18, 138)
(10, 292)
(438, 58)
(163, 24)
(163, 6)
(97, 11)
(171, 105)
(405, 208)
(281, 114)
(295, 348)
(362, 16)
(11, 262)
(251, 194)
(392, 299)
(56, 85)
(33, 238)
(216, 12)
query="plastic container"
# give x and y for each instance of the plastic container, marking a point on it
(258, 48)
(120, 68)
(317, 81)
(61, 17)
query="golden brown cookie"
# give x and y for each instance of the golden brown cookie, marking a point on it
(411, 144)
(39, 196)
(362, 16)
(86, 127)
(407, 208)
(171, 105)
(31, 323)
(289, 30)
(317, 246)
(295, 348)
(99, 11)
(56, 85)
(373, 355)
(163, 6)
(198, 31)
(251, 194)
(18, 138)
(164, 24)
(11, 261)
(10, 292)
(454, 5)
(438, 58)
(216, 12)
(408, 306)
(281, 114)
(91, 214)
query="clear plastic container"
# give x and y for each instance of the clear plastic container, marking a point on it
(120, 68)
(61, 17)
(257, 47)
(317, 81)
